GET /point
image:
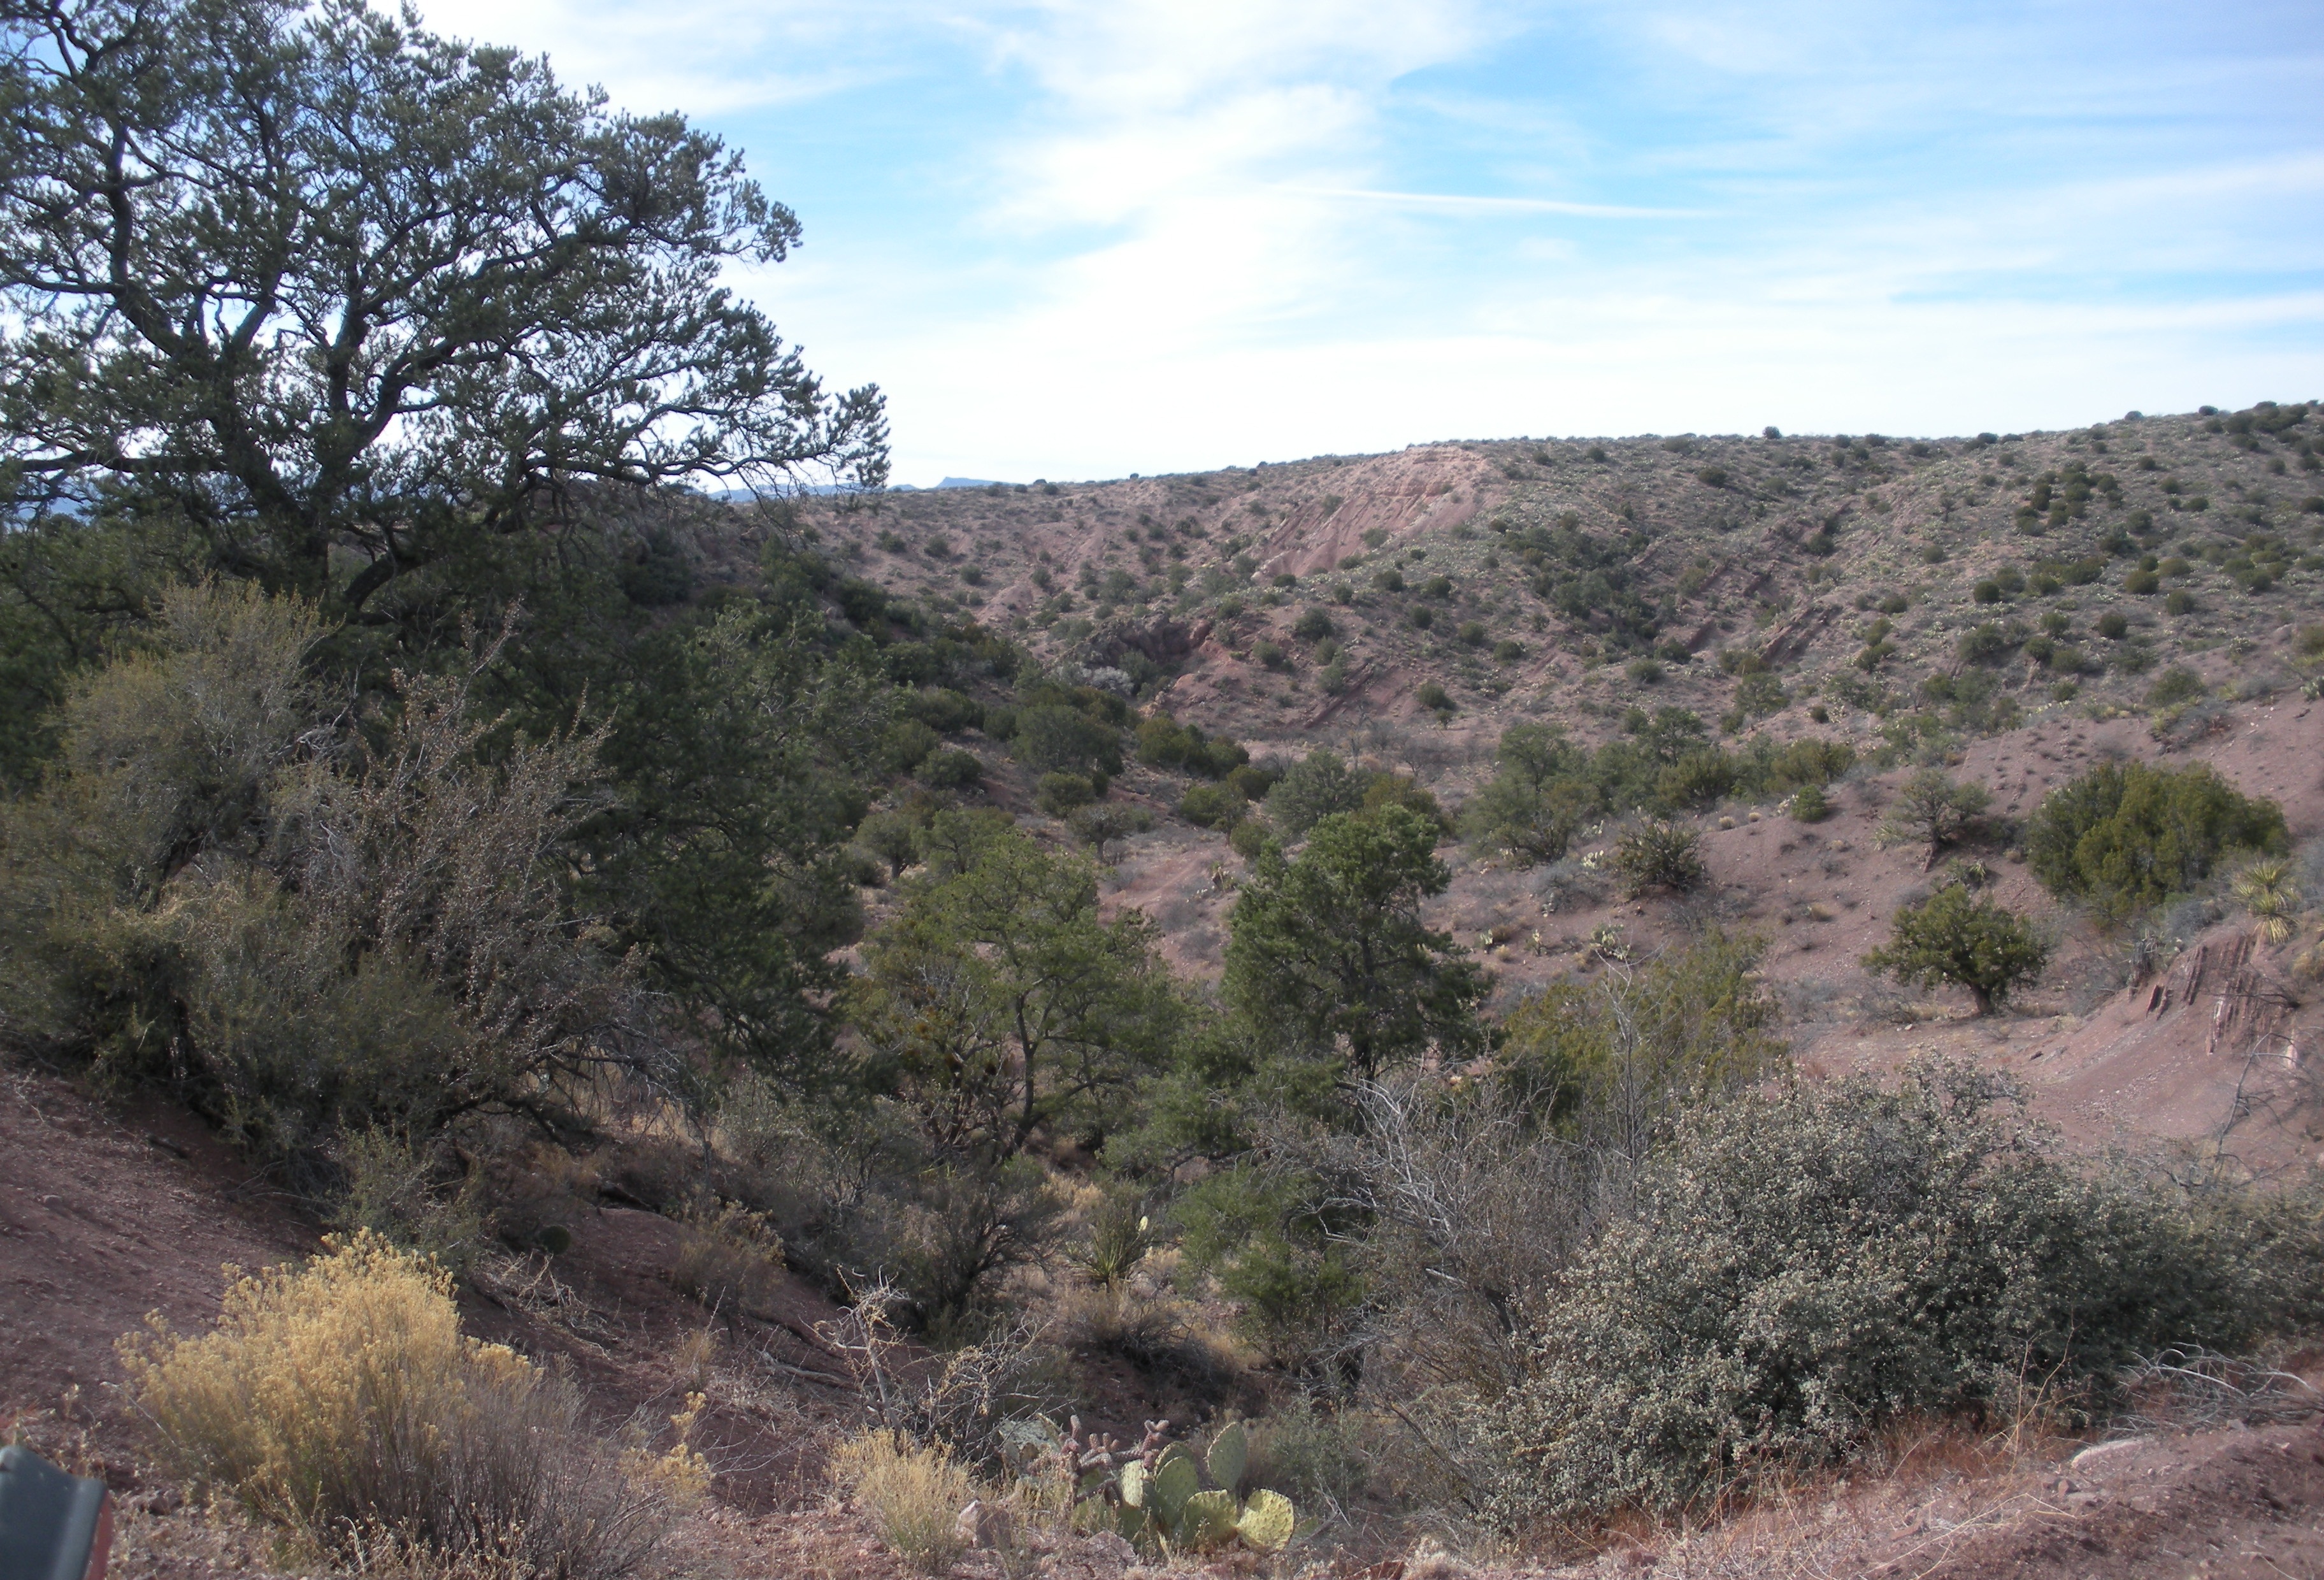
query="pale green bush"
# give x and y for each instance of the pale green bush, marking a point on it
(1802, 1268)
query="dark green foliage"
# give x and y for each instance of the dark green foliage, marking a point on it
(951, 769)
(1057, 794)
(1933, 811)
(1658, 855)
(997, 1001)
(1803, 1269)
(1959, 938)
(1329, 948)
(2174, 685)
(906, 743)
(2113, 627)
(1698, 780)
(1318, 785)
(1532, 806)
(1165, 743)
(1432, 696)
(1053, 738)
(2124, 837)
(1212, 806)
(261, 364)
(1313, 625)
(945, 711)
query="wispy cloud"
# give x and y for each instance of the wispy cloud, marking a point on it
(1074, 237)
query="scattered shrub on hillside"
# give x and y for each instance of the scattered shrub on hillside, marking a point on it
(1612, 1060)
(1313, 625)
(728, 1256)
(1508, 652)
(1645, 671)
(1433, 698)
(2124, 837)
(1318, 785)
(340, 1401)
(1658, 855)
(1803, 1269)
(1053, 738)
(389, 1188)
(1810, 804)
(1057, 794)
(913, 1492)
(2173, 685)
(1212, 806)
(1106, 823)
(950, 767)
(1698, 780)
(1932, 811)
(1760, 694)
(905, 743)
(1954, 937)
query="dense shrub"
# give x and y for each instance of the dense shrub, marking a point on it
(1318, 785)
(1932, 811)
(1060, 793)
(309, 934)
(1165, 743)
(906, 742)
(1053, 738)
(1658, 855)
(1958, 937)
(2124, 837)
(1212, 806)
(1803, 1268)
(950, 767)
(1432, 696)
(340, 1401)
(1313, 625)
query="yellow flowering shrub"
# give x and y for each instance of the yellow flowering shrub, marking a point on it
(340, 1400)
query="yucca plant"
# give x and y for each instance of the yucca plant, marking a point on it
(2265, 888)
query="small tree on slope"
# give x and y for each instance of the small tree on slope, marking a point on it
(1955, 937)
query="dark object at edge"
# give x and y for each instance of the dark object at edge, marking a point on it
(53, 1526)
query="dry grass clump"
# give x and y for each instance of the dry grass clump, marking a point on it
(914, 1494)
(728, 1256)
(340, 1401)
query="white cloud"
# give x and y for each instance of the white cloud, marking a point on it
(1185, 233)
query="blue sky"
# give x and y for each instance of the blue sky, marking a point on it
(1080, 240)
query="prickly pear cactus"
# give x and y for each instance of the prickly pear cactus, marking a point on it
(1230, 1453)
(1269, 1521)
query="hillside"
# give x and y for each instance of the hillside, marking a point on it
(2012, 610)
(1789, 587)
(1589, 555)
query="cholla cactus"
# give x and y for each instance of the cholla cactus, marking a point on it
(2264, 888)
